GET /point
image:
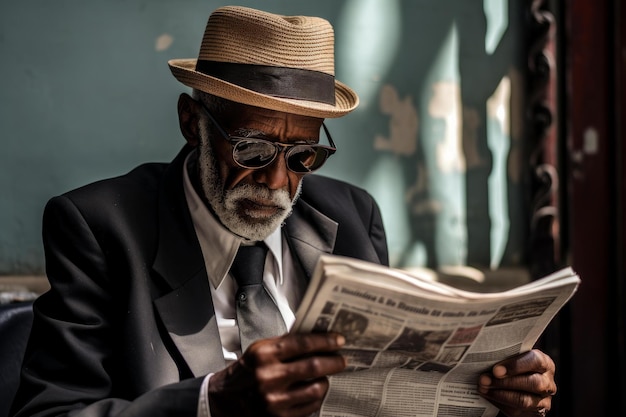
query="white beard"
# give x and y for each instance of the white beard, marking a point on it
(225, 203)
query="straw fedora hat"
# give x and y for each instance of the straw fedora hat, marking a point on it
(283, 63)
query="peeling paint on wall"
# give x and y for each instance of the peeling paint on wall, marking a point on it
(403, 123)
(445, 104)
(163, 42)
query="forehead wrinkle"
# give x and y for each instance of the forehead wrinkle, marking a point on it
(273, 125)
(257, 133)
(249, 133)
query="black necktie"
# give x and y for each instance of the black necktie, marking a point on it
(258, 316)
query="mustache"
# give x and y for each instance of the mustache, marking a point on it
(280, 198)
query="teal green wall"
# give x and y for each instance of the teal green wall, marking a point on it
(86, 93)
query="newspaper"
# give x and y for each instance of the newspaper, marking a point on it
(416, 347)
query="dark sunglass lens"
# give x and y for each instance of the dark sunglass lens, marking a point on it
(306, 158)
(253, 154)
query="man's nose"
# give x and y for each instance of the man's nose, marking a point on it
(275, 175)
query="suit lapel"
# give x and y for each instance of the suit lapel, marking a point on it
(310, 234)
(187, 310)
(187, 313)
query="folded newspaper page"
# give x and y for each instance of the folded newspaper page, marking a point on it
(416, 347)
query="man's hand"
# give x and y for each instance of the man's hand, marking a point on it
(521, 386)
(282, 376)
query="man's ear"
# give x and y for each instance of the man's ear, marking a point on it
(188, 119)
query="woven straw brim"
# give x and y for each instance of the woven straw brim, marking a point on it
(184, 70)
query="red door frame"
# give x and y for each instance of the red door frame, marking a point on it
(594, 42)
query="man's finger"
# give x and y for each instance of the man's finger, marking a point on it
(535, 383)
(292, 346)
(531, 361)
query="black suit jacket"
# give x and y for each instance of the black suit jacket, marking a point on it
(128, 326)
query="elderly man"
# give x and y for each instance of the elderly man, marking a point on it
(143, 315)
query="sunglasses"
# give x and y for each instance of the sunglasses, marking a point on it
(255, 153)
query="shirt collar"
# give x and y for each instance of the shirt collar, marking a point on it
(215, 239)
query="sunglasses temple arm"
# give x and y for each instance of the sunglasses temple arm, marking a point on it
(330, 138)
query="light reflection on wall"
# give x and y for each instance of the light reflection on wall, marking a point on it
(498, 134)
(496, 13)
(440, 137)
(498, 137)
(372, 33)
